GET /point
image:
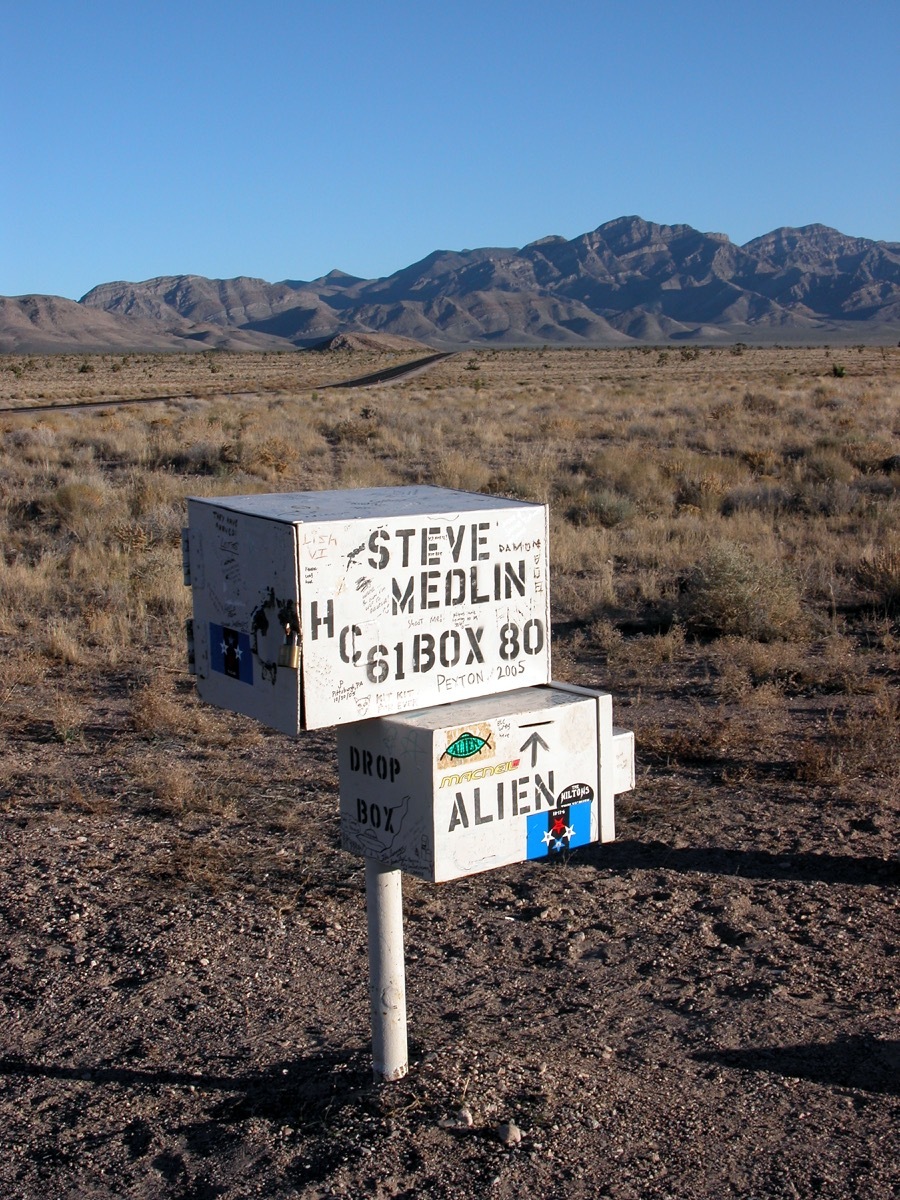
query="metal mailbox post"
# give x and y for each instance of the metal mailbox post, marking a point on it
(450, 791)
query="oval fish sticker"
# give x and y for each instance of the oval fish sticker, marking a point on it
(467, 745)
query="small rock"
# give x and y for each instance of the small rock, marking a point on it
(461, 1119)
(509, 1133)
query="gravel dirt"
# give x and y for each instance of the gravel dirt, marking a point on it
(705, 1008)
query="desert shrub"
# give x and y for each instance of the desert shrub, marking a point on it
(455, 469)
(868, 455)
(623, 469)
(730, 591)
(761, 403)
(643, 654)
(879, 574)
(828, 465)
(855, 743)
(585, 598)
(763, 663)
(77, 497)
(178, 786)
(761, 462)
(275, 453)
(180, 449)
(724, 412)
(756, 497)
(131, 536)
(605, 636)
(80, 506)
(828, 500)
(702, 493)
(61, 643)
(602, 506)
(350, 431)
(360, 470)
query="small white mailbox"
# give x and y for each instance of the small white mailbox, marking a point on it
(470, 786)
(319, 608)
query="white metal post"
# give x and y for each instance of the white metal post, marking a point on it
(387, 978)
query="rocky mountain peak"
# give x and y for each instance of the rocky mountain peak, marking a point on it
(627, 280)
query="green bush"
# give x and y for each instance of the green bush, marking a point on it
(732, 592)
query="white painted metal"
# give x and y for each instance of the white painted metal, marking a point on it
(623, 750)
(396, 598)
(467, 787)
(387, 980)
(343, 607)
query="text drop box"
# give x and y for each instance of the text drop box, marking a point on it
(474, 785)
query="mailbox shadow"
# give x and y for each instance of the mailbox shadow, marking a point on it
(297, 1089)
(747, 864)
(859, 1061)
(312, 1095)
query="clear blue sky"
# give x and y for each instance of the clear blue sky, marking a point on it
(282, 139)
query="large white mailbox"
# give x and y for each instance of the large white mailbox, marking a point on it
(470, 786)
(319, 608)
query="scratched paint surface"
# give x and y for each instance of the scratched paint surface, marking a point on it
(396, 599)
(532, 787)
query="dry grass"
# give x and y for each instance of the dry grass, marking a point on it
(731, 591)
(879, 574)
(723, 528)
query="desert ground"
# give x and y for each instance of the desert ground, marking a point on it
(707, 1007)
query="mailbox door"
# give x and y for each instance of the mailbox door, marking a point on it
(246, 599)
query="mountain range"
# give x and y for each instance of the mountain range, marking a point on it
(628, 281)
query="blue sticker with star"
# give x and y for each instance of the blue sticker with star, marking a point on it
(230, 653)
(560, 829)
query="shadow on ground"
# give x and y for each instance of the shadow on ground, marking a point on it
(296, 1090)
(747, 864)
(860, 1061)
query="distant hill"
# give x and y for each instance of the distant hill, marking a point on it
(627, 281)
(389, 343)
(51, 324)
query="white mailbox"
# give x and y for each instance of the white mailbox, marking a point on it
(319, 608)
(470, 786)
